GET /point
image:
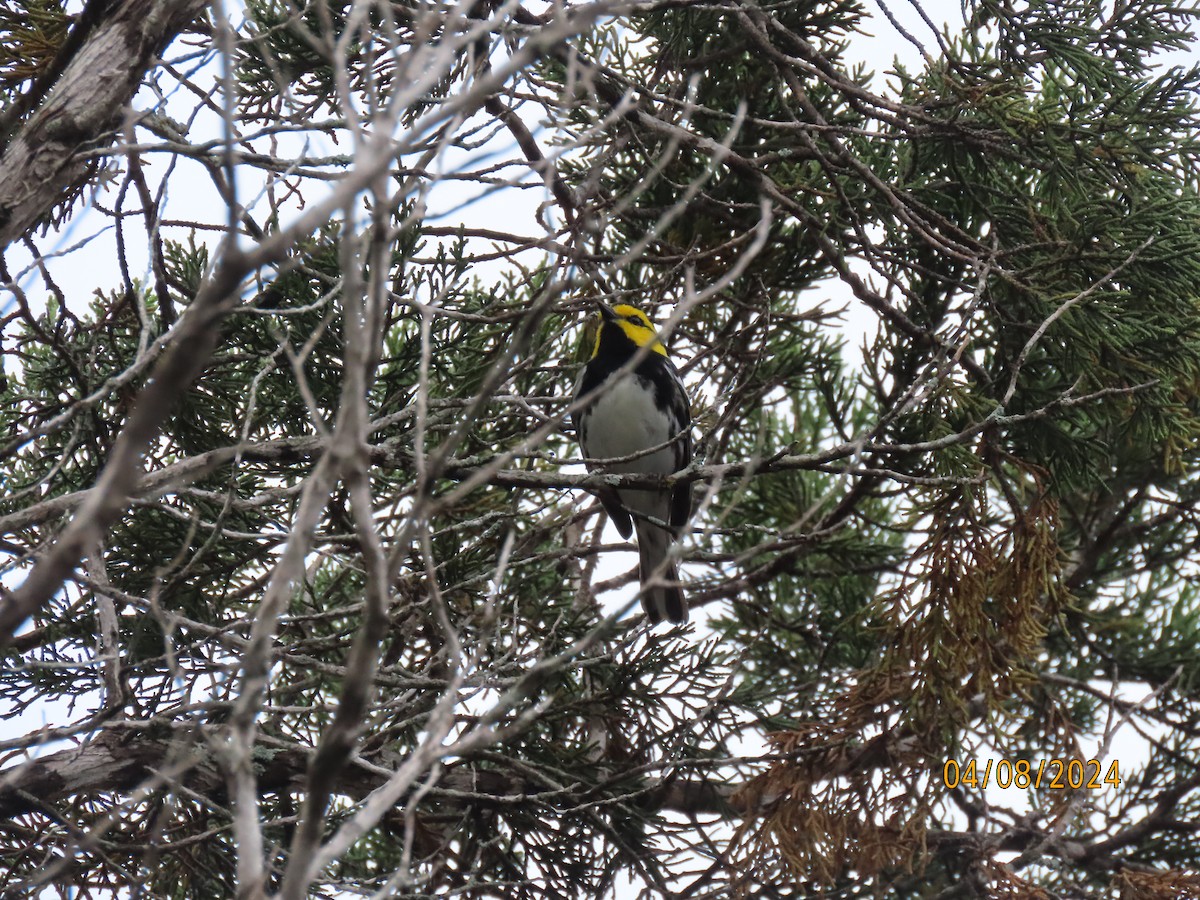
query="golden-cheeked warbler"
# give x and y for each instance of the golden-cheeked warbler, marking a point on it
(638, 419)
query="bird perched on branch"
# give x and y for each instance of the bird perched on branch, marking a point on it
(639, 417)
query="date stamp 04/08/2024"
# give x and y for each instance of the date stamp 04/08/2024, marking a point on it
(1050, 774)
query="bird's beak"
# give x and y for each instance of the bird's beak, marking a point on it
(606, 311)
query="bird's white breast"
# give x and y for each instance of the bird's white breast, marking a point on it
(624, 420)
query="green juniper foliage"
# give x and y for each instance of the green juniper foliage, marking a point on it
(347, 632)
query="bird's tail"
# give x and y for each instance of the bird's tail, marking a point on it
(664, 600)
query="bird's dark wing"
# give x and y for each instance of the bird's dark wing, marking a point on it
(681, 507)
(616, 511)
